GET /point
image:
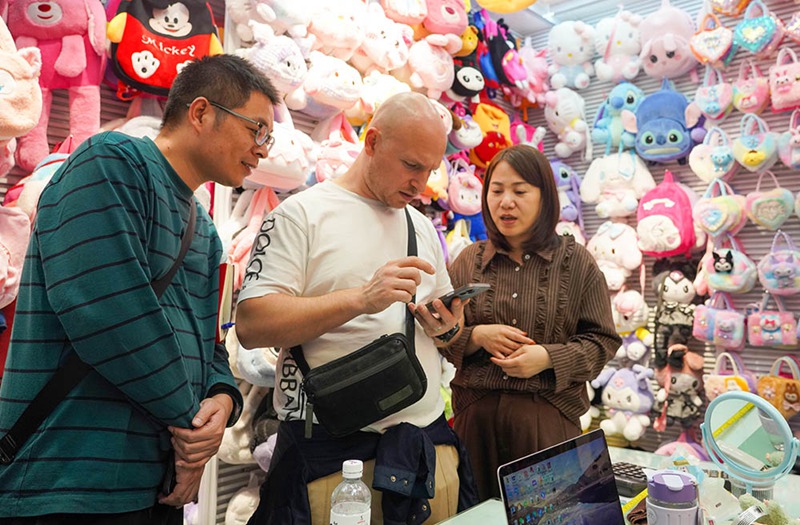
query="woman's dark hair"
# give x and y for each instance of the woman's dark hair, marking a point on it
(226, 79)
(534, 168)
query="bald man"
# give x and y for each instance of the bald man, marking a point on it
(330, 271)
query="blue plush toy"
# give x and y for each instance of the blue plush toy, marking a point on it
(608, 128)
(477, 229)
(667, 126)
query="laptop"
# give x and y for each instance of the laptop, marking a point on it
(567, 484)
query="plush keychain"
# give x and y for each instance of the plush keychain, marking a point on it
(73, 57)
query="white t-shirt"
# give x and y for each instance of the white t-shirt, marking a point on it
(327, 238)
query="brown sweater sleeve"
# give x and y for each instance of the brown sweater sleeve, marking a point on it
(460, 272)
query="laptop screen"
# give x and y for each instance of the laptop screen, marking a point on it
(568, 484)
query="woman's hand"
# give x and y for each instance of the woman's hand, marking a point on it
(526, 362)
(499, 340)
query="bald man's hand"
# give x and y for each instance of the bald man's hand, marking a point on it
(394, 281)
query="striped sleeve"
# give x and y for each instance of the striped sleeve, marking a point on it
(97, 278)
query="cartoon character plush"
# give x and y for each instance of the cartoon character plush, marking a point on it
(338, 27)
(430, 66)
(568, 184)
(666, 125)
(609, 128)
(674, 316)
(615, 249)
(468, 82)
(285, 16)
(636, 348)
(376, 88)
(618, 42)
(445, 17)
(409, 12)
(565, 114)
(571, 46)
(21, 101)
(628, 398)
(464, 190)
(616, 182)
(466, 134)
(535, 63)
(331, 85)
(71, 37)
(385, 45)
(681, 399)
(289, 161)
(665, 42)
(469, 42)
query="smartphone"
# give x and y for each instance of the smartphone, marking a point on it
(465, 292)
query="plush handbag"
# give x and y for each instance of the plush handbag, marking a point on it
(729, 269)
(782, 392)
(769, 209)
(713, 43)
(783, 84)
(756, 147)
(724, 379)
(729, 7)
(720, 211)
(750, 89)
(779, 270)
(759, 31)
(713, 159)
(789, 143)
(775, 328)
(723, 326)
(715, 96)
(793, 28)
(365, 386)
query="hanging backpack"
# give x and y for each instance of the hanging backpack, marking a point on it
(779, 270)
(665, 226)
(152, 40)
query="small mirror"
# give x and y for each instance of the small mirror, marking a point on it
(748, 438)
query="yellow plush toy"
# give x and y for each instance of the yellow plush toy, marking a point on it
(505, 6)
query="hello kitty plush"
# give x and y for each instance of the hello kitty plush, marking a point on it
(565, 113)
(628, 398)
(464, 189)
(618, 42)
(71, 37)
(571, 47)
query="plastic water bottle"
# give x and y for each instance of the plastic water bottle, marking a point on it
(351, 500)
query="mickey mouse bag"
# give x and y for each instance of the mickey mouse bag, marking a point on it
(152, 40)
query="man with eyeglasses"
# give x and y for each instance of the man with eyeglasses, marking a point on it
(332, 274)
(110, 224)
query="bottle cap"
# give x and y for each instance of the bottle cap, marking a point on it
(672, 486)
(352, 468)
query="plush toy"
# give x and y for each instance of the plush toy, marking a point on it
(773, 512)
(436, 187)
(573, 229)
(522, 133)
(666, 125)
(628, 399)
(257, 365)
(409, 12)
(285, 16)
(565, 113)
(616, 182)
(72, 38)
(465, 135)
(464, 189)
(674, 315)
(469, 42)
(241, 13)
(609, 128)
(15, 232)
(430, 68)
(535, 63)
(385, 45)
(468, 82)
(615, 250)
(618, 42)
(445, 17)
(289, 161)
(629, 310)
(636, 348)
(665, 42)
(235, 446)
(571, 46)
(21, 103)
(243, 504)
(680, 400)
(568, 184)
(278, 57)
(338, 27)
(330, 86)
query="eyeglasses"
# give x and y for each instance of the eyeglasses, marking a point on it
(262, 134)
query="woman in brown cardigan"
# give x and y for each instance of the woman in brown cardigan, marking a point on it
(532, 341)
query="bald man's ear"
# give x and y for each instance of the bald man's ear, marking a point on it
(370, 140)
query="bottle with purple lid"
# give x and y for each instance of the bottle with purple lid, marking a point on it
(672, 498)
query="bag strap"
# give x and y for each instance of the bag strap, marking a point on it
(783, 54)
(74, 369)
(712, 77)
(761, 176)
(793, 366)
(780, 234)
(750, 8)
(297, 351)
(720, 135)
(776, 299)
(720, 358)
(726, 300)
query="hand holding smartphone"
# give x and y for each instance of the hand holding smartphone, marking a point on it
(463, 293)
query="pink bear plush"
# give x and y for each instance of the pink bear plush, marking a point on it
(21, 105)
(71, 37)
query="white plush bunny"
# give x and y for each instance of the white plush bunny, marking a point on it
(571, 46)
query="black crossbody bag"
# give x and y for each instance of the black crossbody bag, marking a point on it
(375, 381)
(74, 370)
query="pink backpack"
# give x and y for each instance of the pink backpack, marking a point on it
(665, 225)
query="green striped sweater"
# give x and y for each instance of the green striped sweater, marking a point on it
(108, 224)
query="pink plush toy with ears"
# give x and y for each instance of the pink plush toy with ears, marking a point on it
(71, 35)
(21, 105)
